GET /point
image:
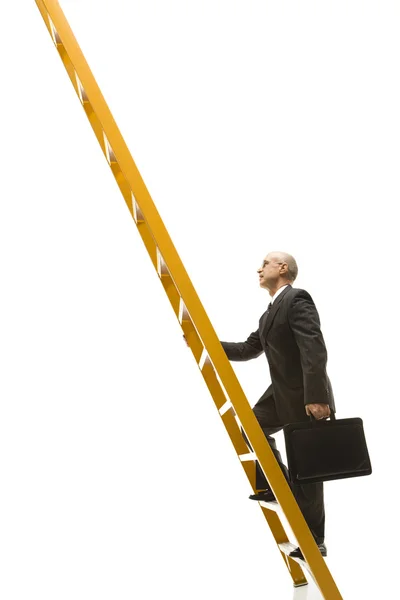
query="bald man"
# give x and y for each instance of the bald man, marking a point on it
(289, 334)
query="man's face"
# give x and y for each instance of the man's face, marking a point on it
(269, 271)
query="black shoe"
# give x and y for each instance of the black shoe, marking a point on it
(298, 553)
(265, 496)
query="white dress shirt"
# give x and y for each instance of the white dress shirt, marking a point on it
(274, 297)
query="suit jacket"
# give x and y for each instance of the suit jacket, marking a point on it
(290, 336)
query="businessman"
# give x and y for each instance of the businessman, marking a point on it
(289, 334)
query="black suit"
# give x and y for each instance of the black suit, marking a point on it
(290, 335)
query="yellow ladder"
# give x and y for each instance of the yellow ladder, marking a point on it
(229, 398)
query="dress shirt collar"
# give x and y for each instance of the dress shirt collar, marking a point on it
(274, 297)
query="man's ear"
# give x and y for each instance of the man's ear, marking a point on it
(284, 269)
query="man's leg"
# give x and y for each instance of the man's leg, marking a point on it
(261, 480)
(310, 499)
(265, 413)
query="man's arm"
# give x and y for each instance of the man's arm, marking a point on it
(247, 350)
(305, 324)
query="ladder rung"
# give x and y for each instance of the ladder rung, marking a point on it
(248, 456)
(54, 32)
(249, 468)
(234, 432)
(172, 292)
(137, 213)
(81, 90)
(272, 506)
(109, 151)
(68, 65)
(148, 241)
(192, 337)
(94, 122)
(225, 407)
(281, 539)
(287, 548)
(213, 384)
(123, 185)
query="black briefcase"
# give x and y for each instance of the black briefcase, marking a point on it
(325, 450)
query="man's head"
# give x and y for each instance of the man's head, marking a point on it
(278, 269)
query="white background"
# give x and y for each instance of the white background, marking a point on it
(256, 126)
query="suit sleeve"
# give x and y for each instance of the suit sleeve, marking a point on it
(247, 350)
(305, 324)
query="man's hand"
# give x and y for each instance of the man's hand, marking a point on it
(318, 411)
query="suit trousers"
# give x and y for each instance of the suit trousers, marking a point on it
(309, 497)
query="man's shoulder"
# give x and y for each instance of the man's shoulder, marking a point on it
(297, 293)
